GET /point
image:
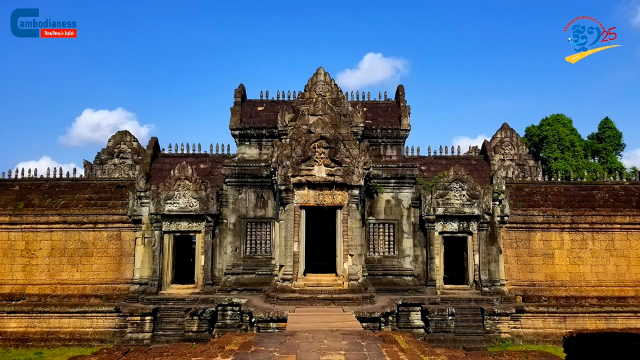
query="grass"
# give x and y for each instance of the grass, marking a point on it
(61, 353)
(508, 345)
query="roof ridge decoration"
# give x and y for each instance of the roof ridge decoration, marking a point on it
(121, 158)
(321, 85)
(507, 151)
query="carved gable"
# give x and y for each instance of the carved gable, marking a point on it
(121, 158)
(184, 191)
(320, 142)
(507, 151)
(455, 193)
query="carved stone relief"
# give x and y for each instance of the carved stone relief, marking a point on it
(183, 225)
(321, 197)
(455, 225)
(182, 199)
(119, 159)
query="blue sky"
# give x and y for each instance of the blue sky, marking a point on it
(168, 69)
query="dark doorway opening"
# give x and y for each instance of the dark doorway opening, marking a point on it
(184, 259)
(455, 260)
(320, 240)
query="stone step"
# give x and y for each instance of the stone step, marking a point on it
(318, 318)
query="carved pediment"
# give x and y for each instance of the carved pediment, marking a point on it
(184, 191)
(507, 151)
(121, 158)
(455, 193)
(320, 143)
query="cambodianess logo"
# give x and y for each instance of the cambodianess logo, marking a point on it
(26, 23)
(589, 36)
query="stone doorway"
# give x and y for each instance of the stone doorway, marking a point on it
(184, 259)
(320, 240)
(456, 260)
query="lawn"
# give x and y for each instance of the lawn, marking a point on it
(507, 345)
(61, 353)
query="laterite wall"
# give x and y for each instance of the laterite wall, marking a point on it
(573, 240)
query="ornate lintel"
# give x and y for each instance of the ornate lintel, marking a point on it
(321, 197)
(183, 224)
(456, 225)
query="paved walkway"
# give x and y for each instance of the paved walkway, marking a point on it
(315, 345)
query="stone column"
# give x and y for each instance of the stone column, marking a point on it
(433, 255)
(286, 234)
(157, 244)
(208, 253)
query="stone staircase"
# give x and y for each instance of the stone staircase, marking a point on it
(328, 281)
(322, 318)
(169, 326)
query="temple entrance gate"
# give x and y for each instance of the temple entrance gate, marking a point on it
(320, 240)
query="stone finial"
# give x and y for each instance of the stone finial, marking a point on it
(458, 149)
(210, 148)
(617, 176)
(60, 171)
(406, 151)
(606, 178)
(199, 149)
(385, 96)
(55, 172)
(29, 173)
(169, 148)
(175, 151)
(187, 148)
(67, 174)
(358, 95)
(418, 150)
(22, 173)
(559, 177)
(624, 176)
(182, 148)
(379, 96)
(193, 148)
(412, 150)
(289, 95)
(597, 175)
(3, 175)
(546, 178)
(267, 94)
(217, 148)
(446, 150)
(352, 97)
(9, 174)
(635, 176)
(35, 172)
(261, 95)
(571, 175)
(74, 172)
(429, 150)
(368, 96)
(440, 149)
(278, 95)
(222, 149)
(15, 174)
(48, 172)
(228, 149)
(451, 149)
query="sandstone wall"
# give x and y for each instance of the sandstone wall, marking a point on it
(65, 240)
(573, 240)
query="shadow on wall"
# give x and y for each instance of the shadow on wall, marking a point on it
(618, 344)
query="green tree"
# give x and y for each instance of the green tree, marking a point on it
(558, 145)
(605, 147)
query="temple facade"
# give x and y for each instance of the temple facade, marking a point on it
(323, 203)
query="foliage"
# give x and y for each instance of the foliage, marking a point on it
(61, 353)
(558, 145)
(605, 147)
(429, 186)
(507, 345)
(374, 189)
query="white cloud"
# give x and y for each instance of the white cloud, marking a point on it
(631, 158)
(42, 165)
(373, 69)
(97, 126)
(634, 12)
(465, 142)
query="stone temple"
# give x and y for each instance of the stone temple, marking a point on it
(322, 204)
